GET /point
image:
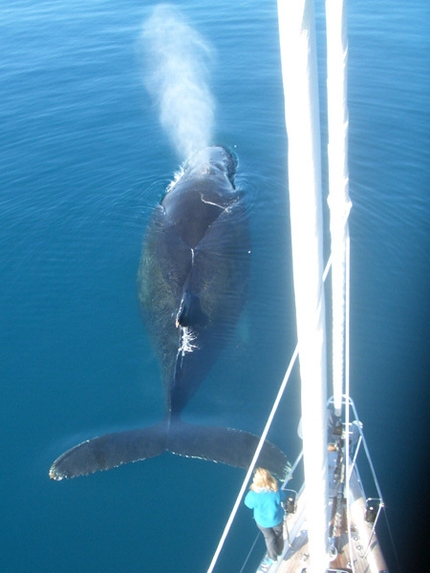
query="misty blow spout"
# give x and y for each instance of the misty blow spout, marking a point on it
(176, 72)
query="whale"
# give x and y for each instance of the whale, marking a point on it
(191, 288)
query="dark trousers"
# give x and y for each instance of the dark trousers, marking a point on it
(274, 539)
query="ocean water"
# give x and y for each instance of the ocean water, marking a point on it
(84, 161)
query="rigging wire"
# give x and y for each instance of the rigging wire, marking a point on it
(259, 447)
(249, 553)
(393, 545)
(254, 460)
(348, 466)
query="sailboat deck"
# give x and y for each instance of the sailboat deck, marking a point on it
(357, 546)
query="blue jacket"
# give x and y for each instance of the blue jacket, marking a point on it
(267, 506)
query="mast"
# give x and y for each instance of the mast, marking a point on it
(353, 540)
(299, 70)
(338, 199)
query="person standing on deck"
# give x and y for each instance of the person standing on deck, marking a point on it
(266, 499)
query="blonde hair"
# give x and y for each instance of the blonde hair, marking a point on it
(264, 479)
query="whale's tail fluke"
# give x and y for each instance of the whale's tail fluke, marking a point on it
(225, 445)
(110, 451)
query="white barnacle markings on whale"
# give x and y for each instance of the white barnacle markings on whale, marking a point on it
(187, 339)
(211, 203)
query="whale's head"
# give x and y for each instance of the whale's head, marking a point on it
(204, 190)
(212, 161)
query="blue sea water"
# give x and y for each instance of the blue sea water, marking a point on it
(83, 163)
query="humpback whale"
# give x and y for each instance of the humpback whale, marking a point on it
(191, 288)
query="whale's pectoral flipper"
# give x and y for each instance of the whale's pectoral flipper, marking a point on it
(224, 445)
(110, 451)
